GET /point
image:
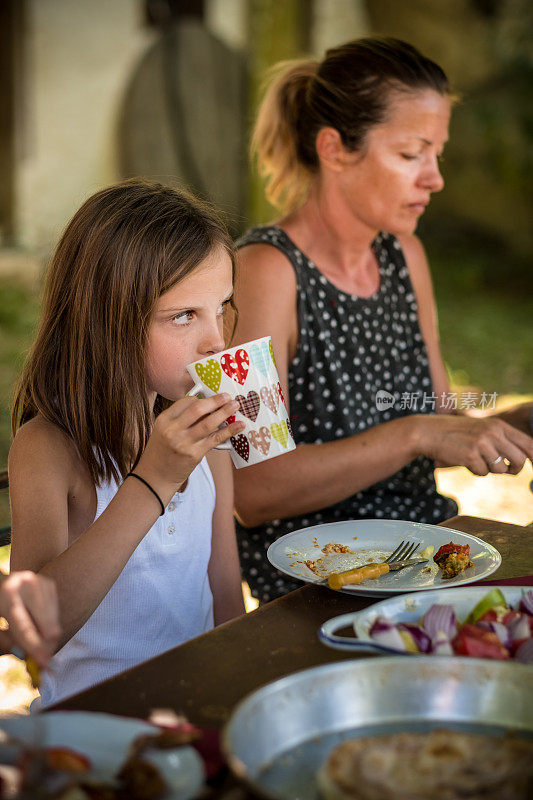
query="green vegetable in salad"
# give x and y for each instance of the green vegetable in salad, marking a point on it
(494, 599)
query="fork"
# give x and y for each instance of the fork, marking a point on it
(399, 558)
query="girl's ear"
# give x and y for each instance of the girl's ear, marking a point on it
(330, 150)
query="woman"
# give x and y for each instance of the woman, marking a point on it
(351, 147)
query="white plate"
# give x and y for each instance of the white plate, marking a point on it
(407, 608)
(105, 739)
(374, 540)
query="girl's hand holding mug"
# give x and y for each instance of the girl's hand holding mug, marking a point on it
(182, 436)
(249, 418)
(247, 372)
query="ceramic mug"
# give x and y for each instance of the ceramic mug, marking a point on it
(248, 374)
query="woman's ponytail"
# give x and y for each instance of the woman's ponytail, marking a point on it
(276, 142)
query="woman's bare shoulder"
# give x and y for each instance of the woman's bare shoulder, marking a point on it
(265, 259)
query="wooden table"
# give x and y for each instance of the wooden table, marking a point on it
(206, 677)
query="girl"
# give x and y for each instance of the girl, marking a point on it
(116, 493)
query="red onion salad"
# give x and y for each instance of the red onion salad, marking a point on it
(491, 630)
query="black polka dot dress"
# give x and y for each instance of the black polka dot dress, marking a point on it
(359, 362)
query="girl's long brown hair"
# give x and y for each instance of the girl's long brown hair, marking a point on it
(127, 245)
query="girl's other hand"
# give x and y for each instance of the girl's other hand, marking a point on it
(29, 604)
(482, 445)
(182, 436)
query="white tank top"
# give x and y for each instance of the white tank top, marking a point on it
(161, 598)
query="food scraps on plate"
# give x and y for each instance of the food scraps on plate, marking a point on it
(61, 773)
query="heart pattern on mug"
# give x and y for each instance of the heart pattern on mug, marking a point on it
(268, 398)
(241, 446)
(271, 352)
(236, 366)
(231, 419)
(290, 429)
(260, 357)
(260, 439)
(281, 393)
(249, 405)
(280, 432)
(210, 374)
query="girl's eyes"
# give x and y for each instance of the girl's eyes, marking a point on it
(183, 318)
(186, 317)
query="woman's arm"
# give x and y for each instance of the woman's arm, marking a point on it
(316, 476)
(224, 570)
(420, 275)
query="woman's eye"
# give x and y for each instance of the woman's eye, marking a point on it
(408, 157)
(183, 318)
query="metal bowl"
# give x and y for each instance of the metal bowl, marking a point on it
(279, 736)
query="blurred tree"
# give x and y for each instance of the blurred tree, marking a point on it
(278, 31)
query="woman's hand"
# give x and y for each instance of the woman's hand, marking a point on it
(181, 437)
(29, 604)
(482, 445)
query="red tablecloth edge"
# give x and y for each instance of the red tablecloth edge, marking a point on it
(526, 580)
(208, 747)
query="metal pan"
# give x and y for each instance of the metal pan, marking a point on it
(279, 736)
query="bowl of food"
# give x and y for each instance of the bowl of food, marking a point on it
(476, 621)
(281, 738)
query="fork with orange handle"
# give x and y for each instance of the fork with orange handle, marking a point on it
(400, 557)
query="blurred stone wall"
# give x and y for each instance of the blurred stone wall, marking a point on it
(97, 102)
(75, 63)
(101, 95)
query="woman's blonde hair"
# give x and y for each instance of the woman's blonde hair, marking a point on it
(348, 90)
(274, 139)
(126, 246)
